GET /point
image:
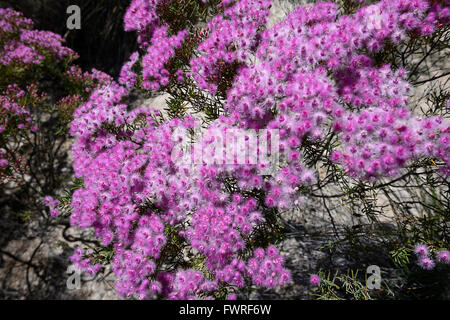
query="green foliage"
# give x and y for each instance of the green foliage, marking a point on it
(185, 14)
(401, 256)
(347, 286)
(66, 196)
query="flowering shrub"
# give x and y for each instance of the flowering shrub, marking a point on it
(36, 71)
(314, 78)
(15, 119)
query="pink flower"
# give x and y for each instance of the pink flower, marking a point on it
(232, 296)
(443, 256)
(426, 263)
(314, 280)
(421, 250)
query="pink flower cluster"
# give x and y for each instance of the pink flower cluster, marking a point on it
(217, 232)
(88, 80)
(11, 21)
(101, 108)
(21, 45)
(123, 171)
(12, 111)
(15, 112)
(291, 77)
(378, 142)
(84, 263)
(425, 261)
(160, 48)
(15, 52)
(52, 204)
(309, 79)
(189, 285)
(48, 40)
(141, 16)
(159, 53)
(22, 49)
(232, 37)
(127, 77)
(266, 268)
(436, 18)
